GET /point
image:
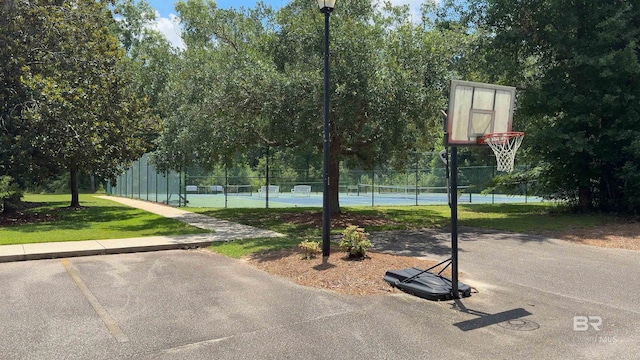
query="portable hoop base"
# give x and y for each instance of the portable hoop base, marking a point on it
(504, 145)
(427, 285)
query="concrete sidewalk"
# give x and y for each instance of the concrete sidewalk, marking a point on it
(223, 231)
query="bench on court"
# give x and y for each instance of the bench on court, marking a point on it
(304, 190)
(274, 191)
(216, 189)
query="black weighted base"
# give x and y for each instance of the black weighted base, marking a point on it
(427, 285)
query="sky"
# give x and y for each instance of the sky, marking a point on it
(165, 7)
(167, 22)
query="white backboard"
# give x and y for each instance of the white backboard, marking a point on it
(477, 109)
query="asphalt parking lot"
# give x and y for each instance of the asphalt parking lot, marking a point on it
(193, 304)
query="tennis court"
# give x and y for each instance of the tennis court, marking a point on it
(422, 184)
(253, 200)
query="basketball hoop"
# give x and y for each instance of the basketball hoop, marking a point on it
(504, 145)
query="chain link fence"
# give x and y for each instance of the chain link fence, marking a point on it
(423, 182)
(142, 181)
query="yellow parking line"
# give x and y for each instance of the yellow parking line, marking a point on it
(109, 322)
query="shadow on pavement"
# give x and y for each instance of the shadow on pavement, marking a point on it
(509, 317)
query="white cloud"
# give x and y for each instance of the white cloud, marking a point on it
(170, 28)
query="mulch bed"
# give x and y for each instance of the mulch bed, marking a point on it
(341, 273)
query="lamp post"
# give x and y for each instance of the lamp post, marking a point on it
(326, 7)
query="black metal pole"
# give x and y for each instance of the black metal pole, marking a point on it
(226, 184)
(267, 180)
(147, 164)
(454, 222)
(326, 200)
(139, 180)
(417, 164)
(132, 179)
(373, 185)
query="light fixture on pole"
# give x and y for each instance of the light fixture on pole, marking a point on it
(326, 7)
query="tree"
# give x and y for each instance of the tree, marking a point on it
(262, 84)
(149, 56)
(579, 70)
(82, 114)
(14, 96)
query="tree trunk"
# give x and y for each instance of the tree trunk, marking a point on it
(334, 172)
(585, 198)
(73, 184)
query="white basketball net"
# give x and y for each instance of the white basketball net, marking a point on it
(504, 145)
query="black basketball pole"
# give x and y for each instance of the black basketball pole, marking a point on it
(454, 222)
(326, 199)
(266, 195)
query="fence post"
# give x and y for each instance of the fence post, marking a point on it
(226, 184)
(139, 180)
(493, 192)
(373, 183)
(147, 178)
(132, 181)
(417, 161)
(266, 195)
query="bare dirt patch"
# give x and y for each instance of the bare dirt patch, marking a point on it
(341, 220)
(24, 217)
(20, 218)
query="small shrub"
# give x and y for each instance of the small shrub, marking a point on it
(355, 241)
(310, 249)
(10, 196)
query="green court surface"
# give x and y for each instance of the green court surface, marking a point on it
(284, 200)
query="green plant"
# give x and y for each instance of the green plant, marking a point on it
(355, 241)
(10, 195)
(309, 248)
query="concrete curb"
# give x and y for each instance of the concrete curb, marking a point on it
(11, 253)
(222, 231)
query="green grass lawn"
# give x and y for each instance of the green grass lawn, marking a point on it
(526, 218)
(534, 218)
(101, 219)
(239, 248)
(271, 219)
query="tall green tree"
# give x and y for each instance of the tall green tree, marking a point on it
(262, 82)
(83, 116)
(150, 59)
(579, 70)
(14, 95)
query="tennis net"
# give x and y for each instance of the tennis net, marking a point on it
(240, 190)
(399, 190)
